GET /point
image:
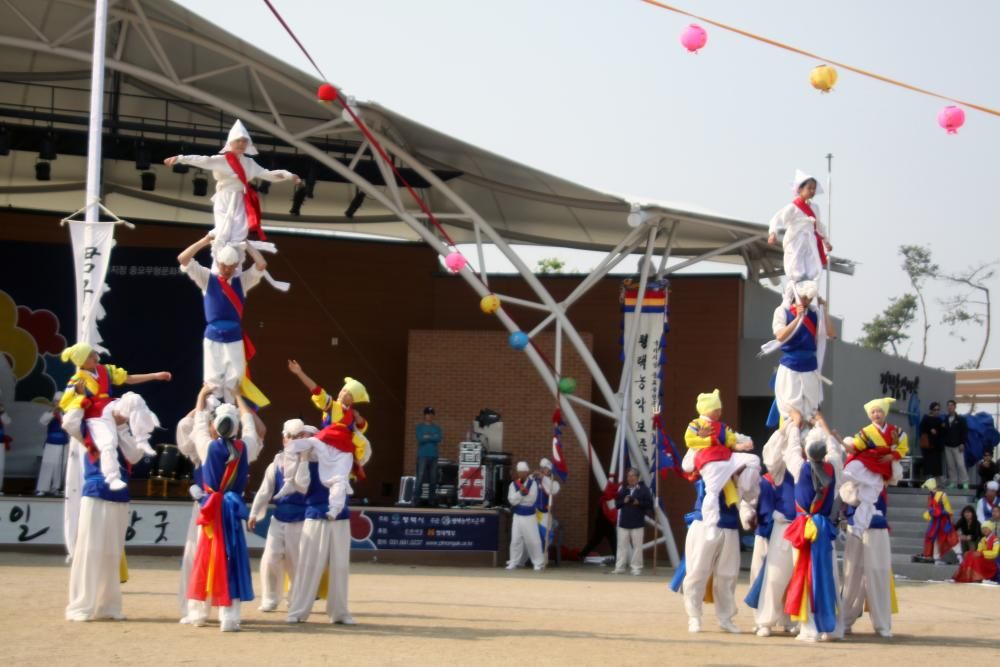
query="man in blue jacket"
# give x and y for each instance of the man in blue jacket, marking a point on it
(429, 437)
(634, 501)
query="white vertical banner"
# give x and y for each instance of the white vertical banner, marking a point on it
(644, 368)
(92, 244)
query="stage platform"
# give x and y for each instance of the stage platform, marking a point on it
(404, 535)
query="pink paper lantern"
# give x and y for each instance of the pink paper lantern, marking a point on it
(951, 118)
(694, 37)
(454, 261)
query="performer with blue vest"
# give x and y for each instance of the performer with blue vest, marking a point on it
(227, 350)
(801, 328)
(548, 489)
(868, 579)
(768, 588)
(94, 578)
(522, 497)
(715, 560)
(221, 575)
(325, 545)
(813, 595)
(281, 547)
(51, 472)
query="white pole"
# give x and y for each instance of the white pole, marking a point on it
(829, 221)
(93, 196)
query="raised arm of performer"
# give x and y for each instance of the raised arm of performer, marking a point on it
(258, 260)
(783, 331)
(201, 434)
(296, 370)
(252, 432)
(831, 332)
(188, 253)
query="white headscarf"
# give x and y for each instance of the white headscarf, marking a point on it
(800, 178)
(223, 412)
(239, 131)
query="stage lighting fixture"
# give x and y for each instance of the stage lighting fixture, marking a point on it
(148, 181)
(47, 147)
(199, 184)
(4, 141)
(263, 187)
(43, 171)
(298, 198)
(352, 208)
(143, 159)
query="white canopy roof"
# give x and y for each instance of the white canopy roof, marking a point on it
(169, 69)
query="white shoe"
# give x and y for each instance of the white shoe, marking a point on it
(291, 620)
(940, 562)
(730, 627)
(347, 620)
(694, 625)
(267, 608)
(194, 621)
(764, 632)
(511, 566)
(79, 618)
(117, 485)
(229, 626)
(539, 568)
(885, 634)
(824, 637)
(636, 573)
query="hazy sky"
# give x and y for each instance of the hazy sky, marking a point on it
(601, 92)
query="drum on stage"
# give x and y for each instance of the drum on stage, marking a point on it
(167, 462)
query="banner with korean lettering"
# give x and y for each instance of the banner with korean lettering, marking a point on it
(92, 244)
(468, 530)
(645, 368)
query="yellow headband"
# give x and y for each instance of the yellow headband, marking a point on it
(708, 402)
(77, 354)
(358, 391)
(883, 403)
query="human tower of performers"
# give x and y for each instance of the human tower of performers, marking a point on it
(814, 481)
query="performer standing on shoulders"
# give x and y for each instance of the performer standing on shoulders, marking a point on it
(226, 349)
(522, 497)
(221, 573)
(236, 206)
(805, 241)
(52, 470)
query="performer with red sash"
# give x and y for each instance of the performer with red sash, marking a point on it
(88, 405)
(981, 564)
(813, 595)
(718, 453)
(220, 576)
(227, 349)
(941, 535)
(340, 448)
(877, 449)
(236, 206)
(805, 241)
(801, 327)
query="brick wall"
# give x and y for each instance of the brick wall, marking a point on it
(461, 372)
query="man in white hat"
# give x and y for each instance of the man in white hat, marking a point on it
(281, 548)
(985, 505)
(548, 489)
(805, 241)
(52, 470)
(801, 327)
(224, 295)
(522, 497)
(235, 204)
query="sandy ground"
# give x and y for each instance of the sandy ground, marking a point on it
(431, 615)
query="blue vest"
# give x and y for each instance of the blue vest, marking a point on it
(765, 508)
(784, 497)
(55, 435)
(214, 469)
(526, 510)
(221, 317)
(317, 496)
(94, 485)
(799, 351)
(290, 508)
(805, 493)
(729, 517)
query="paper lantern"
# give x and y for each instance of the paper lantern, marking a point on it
(823, 78)
(327, 93)
(518, 340)
(489, 304)
(951, 118)
(567, 385)
(454, 261)
(694, 37)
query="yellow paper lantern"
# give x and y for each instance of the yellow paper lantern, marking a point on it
(823, 78)
(489, 304)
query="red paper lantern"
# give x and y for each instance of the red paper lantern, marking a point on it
(327, 93)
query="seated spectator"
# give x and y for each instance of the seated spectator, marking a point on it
(986, 469)
(967, 526)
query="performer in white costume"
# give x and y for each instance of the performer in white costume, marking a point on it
(52, 471)
(186, 447)
(522, 496)
(805, 241)
(281, 547)
(547, 493)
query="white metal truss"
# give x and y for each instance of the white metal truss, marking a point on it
(644, 236)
